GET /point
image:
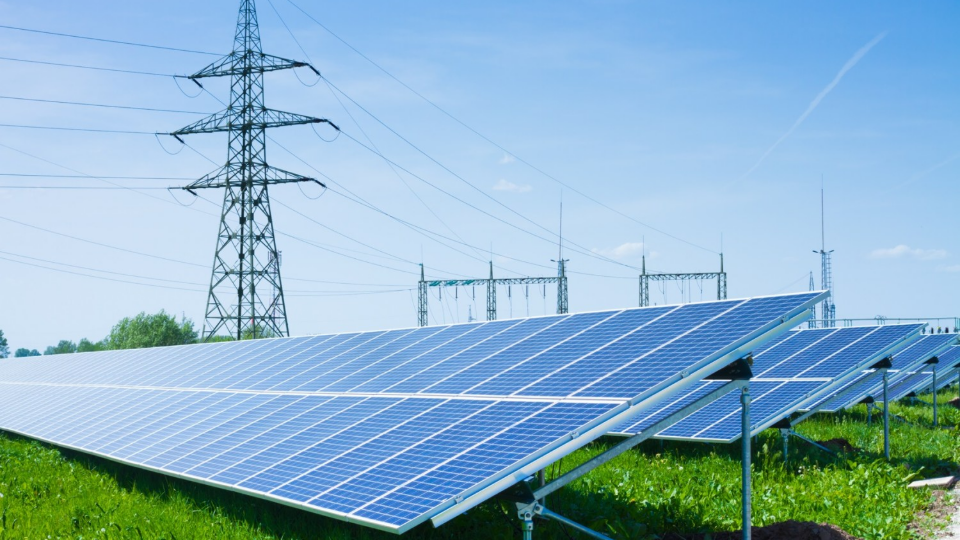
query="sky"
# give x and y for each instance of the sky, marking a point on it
(691, 127)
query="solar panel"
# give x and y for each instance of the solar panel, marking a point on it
(790, 372)
(922, 379)
(390, 428)
(868, 384)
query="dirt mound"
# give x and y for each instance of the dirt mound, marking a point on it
(839, 445)
(786, 530)
(955, 402)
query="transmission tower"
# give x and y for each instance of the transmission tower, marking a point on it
(246, 293)
(812, 323)
(828, 311)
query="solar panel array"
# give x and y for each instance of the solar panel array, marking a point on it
(904, 362)
(790, 372)
(386, 429)
(922, 379)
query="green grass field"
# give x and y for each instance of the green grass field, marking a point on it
(651, 490)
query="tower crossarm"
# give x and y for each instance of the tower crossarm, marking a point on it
(247, 63)
(232, 120)
(231, 176)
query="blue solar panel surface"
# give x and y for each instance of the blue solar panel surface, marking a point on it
(921, 380)
(904, 361)
(790, 372)
(382, 428)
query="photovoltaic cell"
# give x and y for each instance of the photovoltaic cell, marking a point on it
(791, 372)
(869, 384)
(386, 428)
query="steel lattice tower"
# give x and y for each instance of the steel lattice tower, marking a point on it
(246, 293)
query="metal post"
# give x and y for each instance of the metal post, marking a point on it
(886, 419)
(491, 296)
(935, 395)
(422, 319)
(542, 477)
(746, 521)
(869, 413)
(526, 515)
(785, 435)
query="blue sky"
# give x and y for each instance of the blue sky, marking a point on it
(669, 112)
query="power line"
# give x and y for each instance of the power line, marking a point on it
(33, 175)
(99, 270)
(100, 244)
(491, 141)
(103, 40)
(82, 187)
(99, 277)
(94, 68)
(85, 130)
(359, 127)
(101, 105)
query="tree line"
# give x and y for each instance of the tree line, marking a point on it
(141, 331)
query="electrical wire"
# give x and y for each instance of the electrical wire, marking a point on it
(99, 277)
(491, 141)
(100, 105)
(103, 40)
(85, 130)
(101, 271)
(32, 175)
(94, 68)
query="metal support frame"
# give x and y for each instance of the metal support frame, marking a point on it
(646, 278)
(886, 418)
(490, 283)
(746, 519)
(933, 387)
(870, 407)
(245, 297)
(530, 500)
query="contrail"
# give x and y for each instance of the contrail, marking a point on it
(816, 101)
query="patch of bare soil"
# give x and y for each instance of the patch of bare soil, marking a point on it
(955, 402)
(940, 511)
(786, 530)
(839, 445)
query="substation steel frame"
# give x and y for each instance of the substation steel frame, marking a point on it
(646, 278)
(490, 283)
(530, 502)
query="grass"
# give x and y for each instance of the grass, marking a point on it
(654, 489)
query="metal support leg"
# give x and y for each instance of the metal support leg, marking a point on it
(542, 477)
(886, 420)
(785, 435)
(935, 396)
(870, 407)
(746, 521)
(526, 516)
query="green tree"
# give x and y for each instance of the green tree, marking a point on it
(64, 347)
(150, 331)
(4, 348)
(21, 352)
(86, 345)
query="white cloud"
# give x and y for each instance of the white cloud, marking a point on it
(902, 250)
(626, 249)
(954, 268)
(505, 185)
(507, 159)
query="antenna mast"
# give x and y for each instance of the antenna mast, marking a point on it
(828, 310)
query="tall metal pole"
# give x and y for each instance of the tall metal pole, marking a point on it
(644, 284)
(746, 520)
(721, 282)
(491, 296)
(422, 319)
(886, 419)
